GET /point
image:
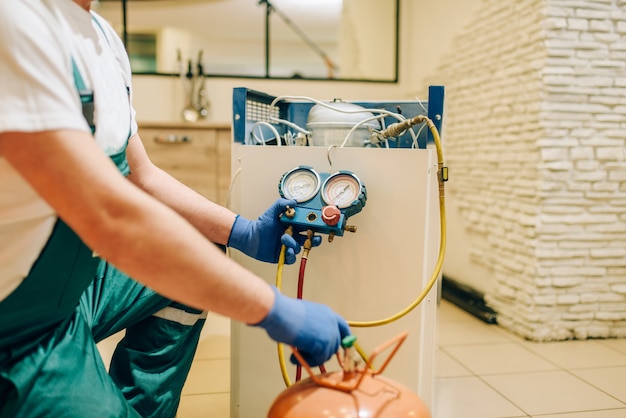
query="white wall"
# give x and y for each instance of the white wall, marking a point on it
(434, 27)
(536, 117)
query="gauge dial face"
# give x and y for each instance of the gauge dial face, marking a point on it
(300, 184)
(341, 189)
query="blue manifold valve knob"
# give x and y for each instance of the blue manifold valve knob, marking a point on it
(324, 201)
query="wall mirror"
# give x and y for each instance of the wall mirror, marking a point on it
(321, 39)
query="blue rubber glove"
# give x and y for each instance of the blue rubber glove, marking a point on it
(262, 239)
(314, 329)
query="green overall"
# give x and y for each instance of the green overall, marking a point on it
(70, 300)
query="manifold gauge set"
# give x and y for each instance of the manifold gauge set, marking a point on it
(324, 201)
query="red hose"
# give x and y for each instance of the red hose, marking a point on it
(300, 291)
(301, 277)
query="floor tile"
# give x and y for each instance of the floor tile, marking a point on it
(618, 344)
(578, 354)
(611, 380)
(551, 392)
(446, 366)
(213, 347)
(447, 312)
(610, 413)
(204, 406)
(499, 358)
(470, 333)
(208, 376)
(469, 397)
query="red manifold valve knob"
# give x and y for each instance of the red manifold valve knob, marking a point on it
(331, 215)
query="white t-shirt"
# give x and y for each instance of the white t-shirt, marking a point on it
(38, 39)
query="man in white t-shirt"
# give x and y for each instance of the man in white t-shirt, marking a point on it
(76, 189)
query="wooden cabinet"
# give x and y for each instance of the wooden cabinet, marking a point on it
(198, 155)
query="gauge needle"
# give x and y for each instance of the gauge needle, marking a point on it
(343, 191)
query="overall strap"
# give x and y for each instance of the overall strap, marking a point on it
(109, 42)
(88, 106)
(86, 97)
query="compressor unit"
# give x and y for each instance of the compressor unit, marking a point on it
(369, 176)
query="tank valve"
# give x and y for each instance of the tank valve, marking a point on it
(349, 356)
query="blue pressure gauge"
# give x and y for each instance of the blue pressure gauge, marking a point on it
(324, 201)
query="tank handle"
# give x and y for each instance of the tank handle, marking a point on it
(397, 340)
(344, 386)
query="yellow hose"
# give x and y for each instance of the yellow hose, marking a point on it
(442, 244)
(279, 346)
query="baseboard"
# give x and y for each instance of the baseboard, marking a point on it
(468, 299)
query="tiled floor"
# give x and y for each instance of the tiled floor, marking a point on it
(482, 371)
(207, 391)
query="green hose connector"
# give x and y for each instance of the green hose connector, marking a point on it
(348, 341)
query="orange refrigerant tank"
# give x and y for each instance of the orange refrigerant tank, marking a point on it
(353, 392)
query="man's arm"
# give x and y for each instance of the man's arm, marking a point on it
(261, 239)
(192, 206)
(132, 230)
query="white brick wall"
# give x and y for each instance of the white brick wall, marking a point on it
(535, 138)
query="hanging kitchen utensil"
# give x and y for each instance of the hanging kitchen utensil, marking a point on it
(190, 112)
(202, 102)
